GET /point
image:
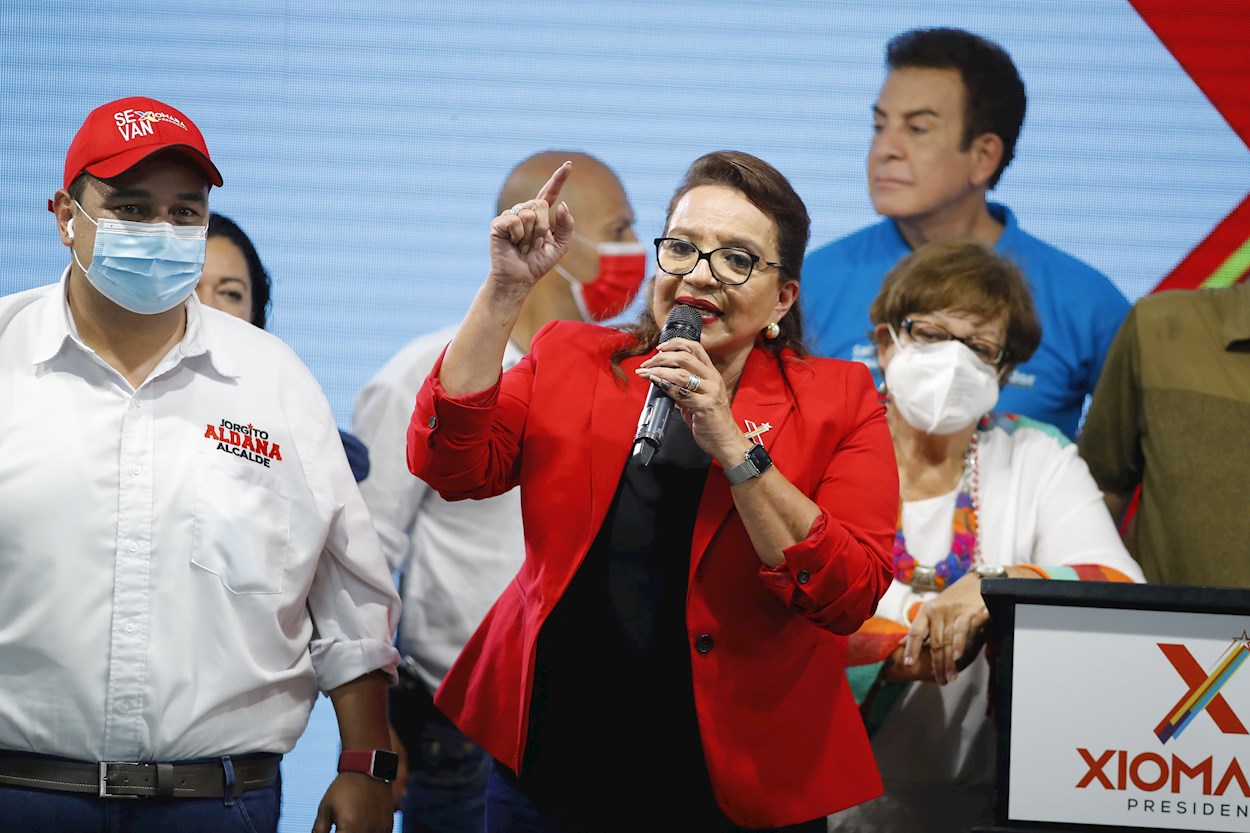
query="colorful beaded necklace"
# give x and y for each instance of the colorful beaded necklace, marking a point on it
(964, 551)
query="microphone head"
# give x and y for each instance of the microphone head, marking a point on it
(683, 322)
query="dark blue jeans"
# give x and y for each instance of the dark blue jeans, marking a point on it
(510, 810)
(47, 811)
(446, 787)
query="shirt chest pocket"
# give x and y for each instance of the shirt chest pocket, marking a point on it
(242, 530)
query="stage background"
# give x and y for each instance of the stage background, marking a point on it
(363, 144)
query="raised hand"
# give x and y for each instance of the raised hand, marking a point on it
(528, 239)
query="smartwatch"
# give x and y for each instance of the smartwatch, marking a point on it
(379, 764)
(754, 463)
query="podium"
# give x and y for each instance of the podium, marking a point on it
(1120, 707)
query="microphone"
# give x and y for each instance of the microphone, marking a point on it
(683, 322)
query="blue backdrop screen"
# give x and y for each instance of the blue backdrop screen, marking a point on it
(363, 144)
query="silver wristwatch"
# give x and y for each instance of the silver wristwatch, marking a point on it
(990, 570)
(755, 461)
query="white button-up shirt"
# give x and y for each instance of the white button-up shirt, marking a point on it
(182, 565)
(455, 557)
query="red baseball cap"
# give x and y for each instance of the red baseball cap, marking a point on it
(121, 134)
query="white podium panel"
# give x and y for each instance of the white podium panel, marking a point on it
(1130, 718)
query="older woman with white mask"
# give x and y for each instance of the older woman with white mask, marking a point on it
(982, 494)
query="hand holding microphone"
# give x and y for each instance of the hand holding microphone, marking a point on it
(682, 322)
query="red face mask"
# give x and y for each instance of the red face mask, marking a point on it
(622, 269)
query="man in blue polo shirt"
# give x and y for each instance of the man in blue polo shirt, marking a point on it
(944, 128)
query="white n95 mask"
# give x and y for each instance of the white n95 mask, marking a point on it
(940, 388)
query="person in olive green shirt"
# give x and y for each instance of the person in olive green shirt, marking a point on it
(1171, 412)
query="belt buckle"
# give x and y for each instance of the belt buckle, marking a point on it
(104, 786)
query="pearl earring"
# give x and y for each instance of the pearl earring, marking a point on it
(772, 330)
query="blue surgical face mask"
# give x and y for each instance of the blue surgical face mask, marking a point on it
(147, 268)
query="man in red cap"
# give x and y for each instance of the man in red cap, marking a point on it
(186, 555)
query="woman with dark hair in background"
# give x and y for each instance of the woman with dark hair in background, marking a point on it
(671, 654)
(235, 281)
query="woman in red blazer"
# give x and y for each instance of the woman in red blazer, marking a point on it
(671, 654)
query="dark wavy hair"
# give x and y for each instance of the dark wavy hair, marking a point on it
(995, 100)
(768, 190)
(219, 225)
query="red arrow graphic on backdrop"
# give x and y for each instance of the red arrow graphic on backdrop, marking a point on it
(1210, 39)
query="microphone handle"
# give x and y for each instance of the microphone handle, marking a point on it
(655, 413)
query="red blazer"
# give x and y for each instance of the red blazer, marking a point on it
(783, 740)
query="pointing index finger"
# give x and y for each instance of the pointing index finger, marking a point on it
(550, 192)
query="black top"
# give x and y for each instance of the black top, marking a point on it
(613, 733)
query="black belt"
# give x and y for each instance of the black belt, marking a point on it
(118, 779)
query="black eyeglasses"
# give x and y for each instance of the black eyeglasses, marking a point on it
(730, 265)
(926, 332)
